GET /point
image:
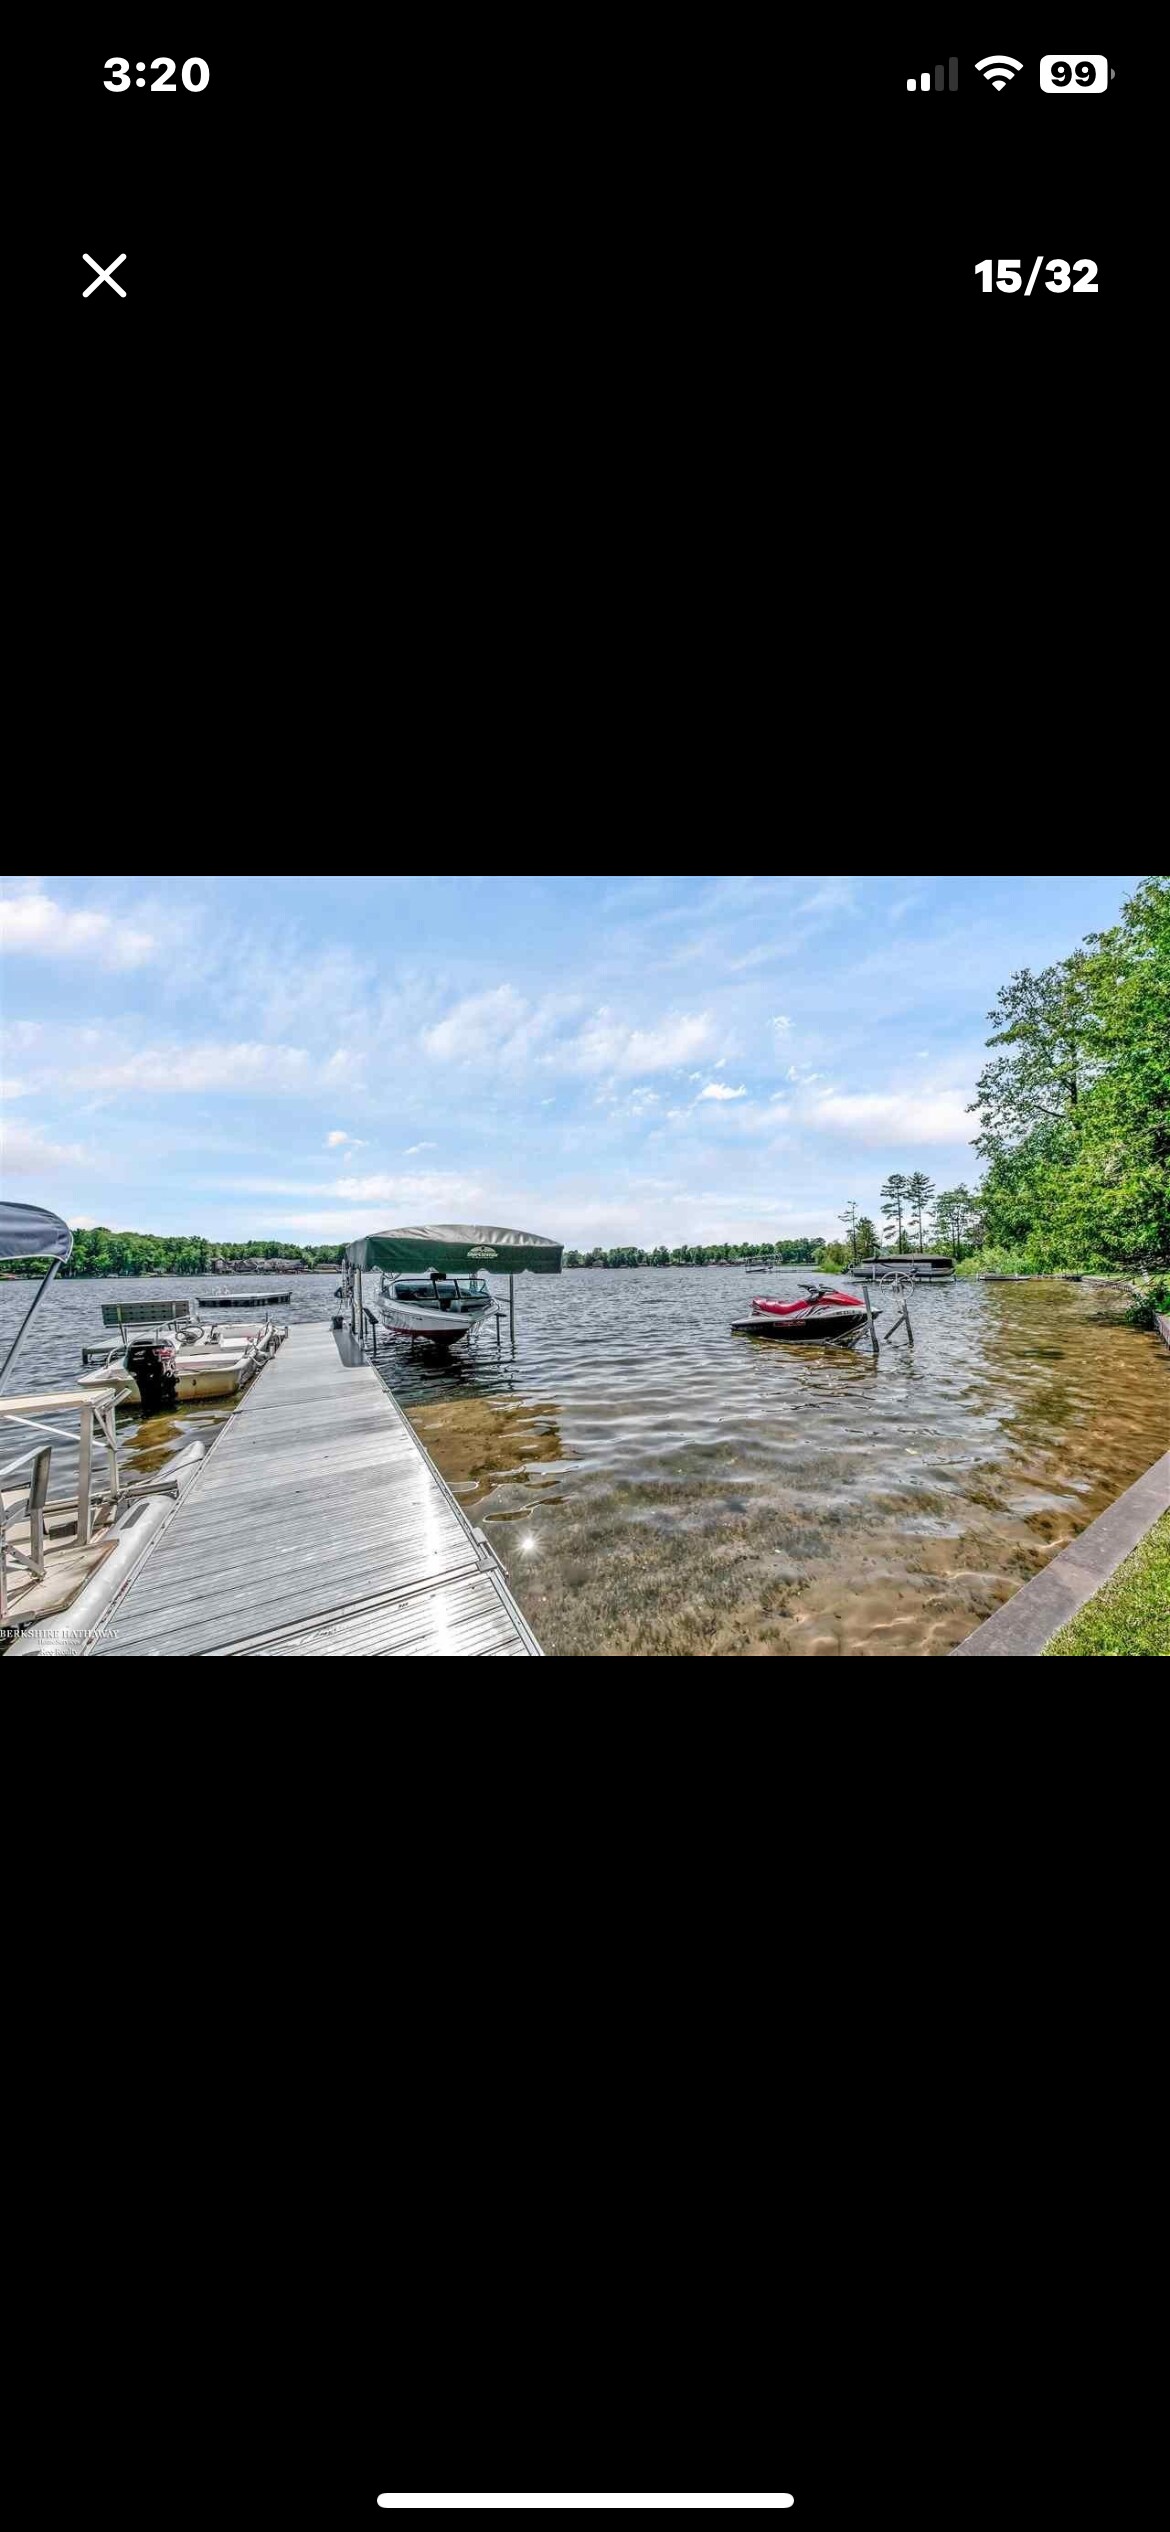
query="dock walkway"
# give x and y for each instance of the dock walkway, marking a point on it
(319, 1525)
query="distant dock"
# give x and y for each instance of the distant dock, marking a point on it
(318, 1525)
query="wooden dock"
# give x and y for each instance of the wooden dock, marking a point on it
(319, 1525)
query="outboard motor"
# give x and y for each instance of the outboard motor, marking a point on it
(151, 1362)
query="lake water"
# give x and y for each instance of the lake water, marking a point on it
(654, 1484)
(70, 1316)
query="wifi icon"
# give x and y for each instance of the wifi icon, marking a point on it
(998, 68)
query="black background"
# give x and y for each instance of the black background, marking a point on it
(599, 266)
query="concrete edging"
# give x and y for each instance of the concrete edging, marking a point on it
(1163, 1327)
(1036, 1613)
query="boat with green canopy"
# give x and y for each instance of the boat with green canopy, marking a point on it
(432, 1275)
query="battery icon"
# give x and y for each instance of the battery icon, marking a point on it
(1074, 74)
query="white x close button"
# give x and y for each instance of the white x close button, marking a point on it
(103, 276)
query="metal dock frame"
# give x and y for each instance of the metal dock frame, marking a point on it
(318, 1525)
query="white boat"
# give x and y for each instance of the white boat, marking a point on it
(200, 1361)
(442, 1308)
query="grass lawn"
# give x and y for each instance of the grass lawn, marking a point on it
(1132, 1613)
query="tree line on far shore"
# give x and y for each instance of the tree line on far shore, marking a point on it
(102, 1252)
(945, 1222)
(715, 1253)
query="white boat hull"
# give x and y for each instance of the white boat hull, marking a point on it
(206, 1370)
(441, 1327)
(212, 1379)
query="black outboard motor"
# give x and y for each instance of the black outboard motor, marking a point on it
(151, 1362)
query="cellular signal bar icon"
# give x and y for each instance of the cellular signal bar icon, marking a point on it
(924, 82)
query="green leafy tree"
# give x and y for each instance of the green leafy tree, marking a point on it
(1075, 1116)
(1045, 1021)
(954, 1219)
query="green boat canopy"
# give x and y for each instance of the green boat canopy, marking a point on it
(456, 1248)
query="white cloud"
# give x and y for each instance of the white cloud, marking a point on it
(497, 1027)
(251, 1067)
(549, 1103)
(721, 1090)
(43, 929)
(763, 956)
(442, 1188)
(876, 1117)
(835, 897)
(609, 1045)
(418, 1201)
(411, 1148)
(338, 1135)
(29, 1152)
(781, 1023)
(741, 1119)
(323, 1226)
(287, 986)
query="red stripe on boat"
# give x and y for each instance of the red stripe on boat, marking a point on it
(795, 1309)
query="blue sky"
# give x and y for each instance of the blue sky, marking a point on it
(601, 1060)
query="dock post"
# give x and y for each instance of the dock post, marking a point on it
(84, 1468)
(512, 1308)
(873, 1334)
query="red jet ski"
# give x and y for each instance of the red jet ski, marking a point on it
(826, 1316)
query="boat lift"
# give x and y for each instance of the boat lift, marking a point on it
(450, 1248)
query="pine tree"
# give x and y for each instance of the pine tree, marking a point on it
(919, 1194)
(894, 1205)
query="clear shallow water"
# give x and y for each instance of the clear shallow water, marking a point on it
(654, 1484)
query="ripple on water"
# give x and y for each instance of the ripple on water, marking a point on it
(762, 1501)
(655, 1485)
